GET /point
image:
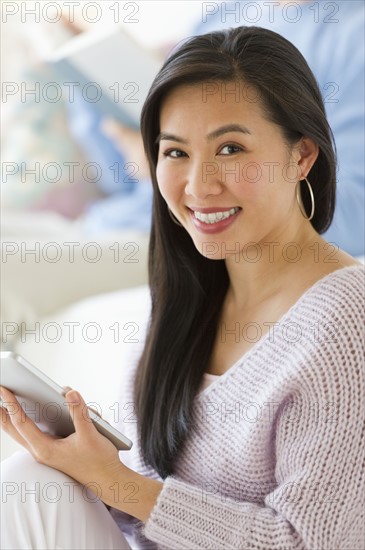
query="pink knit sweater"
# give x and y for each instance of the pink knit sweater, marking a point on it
(278, 461)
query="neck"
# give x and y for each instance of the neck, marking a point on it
(264, 268)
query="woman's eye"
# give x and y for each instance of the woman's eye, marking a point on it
(174, 153)
(230, 149)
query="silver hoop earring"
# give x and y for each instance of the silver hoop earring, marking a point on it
(300, 202)
(174, 219)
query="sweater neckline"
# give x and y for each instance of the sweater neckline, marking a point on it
(218, 378)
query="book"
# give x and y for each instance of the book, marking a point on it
(111, 70)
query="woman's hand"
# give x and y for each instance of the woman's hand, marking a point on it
(86, 455)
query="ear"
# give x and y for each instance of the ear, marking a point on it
(305, 154)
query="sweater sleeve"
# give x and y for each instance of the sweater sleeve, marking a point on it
(318, 497)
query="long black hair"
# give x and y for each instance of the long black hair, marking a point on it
(187, 289)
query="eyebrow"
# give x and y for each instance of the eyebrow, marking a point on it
(213, 135)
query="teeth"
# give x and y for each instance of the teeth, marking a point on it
(214, 217)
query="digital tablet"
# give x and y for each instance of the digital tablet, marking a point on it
(44, 401)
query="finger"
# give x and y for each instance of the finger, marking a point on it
(24, 426)
(79, 414)
(10, 403)
(8, 428)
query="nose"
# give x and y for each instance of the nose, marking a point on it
(203, 179)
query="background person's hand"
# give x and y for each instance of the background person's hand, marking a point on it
(71, 25)
(129, 143)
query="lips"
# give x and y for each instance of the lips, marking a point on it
(213, 220)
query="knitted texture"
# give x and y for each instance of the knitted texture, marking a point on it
(277, 459)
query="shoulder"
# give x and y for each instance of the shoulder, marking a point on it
(333, 311)
(339, 295)
(321, 351)
(347, 281)
(329, 318)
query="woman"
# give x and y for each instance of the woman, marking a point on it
(249, 387)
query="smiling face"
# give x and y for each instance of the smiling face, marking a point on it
(225, 171)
